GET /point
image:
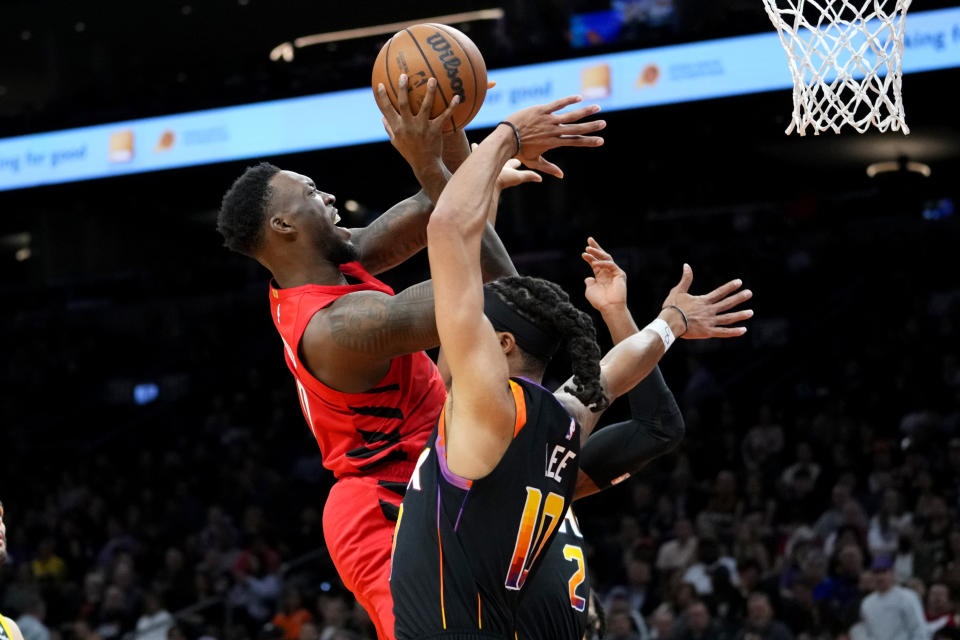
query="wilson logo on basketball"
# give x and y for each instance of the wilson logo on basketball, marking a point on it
(451, 63)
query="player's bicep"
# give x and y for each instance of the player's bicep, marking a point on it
(372, 326)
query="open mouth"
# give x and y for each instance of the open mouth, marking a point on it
(336, 216)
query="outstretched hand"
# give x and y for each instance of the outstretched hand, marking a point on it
(512, 175)
(541, 129)
(704, 313)
(417, 137)
(607, 287)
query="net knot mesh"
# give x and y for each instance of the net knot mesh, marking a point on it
(845, 57)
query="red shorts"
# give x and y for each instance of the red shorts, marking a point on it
(358, 524)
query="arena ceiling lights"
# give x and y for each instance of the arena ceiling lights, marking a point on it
(285, 51)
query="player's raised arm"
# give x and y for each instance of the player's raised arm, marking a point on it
(401, 231)
(480, 393)
(656, 426)
(432, 154)
(682, 315)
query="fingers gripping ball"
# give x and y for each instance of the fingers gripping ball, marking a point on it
(434, 50)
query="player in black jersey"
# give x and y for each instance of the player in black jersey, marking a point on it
(493, 483)
(495, 478)
(555, 605)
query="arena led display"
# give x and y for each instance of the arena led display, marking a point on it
(629, 80)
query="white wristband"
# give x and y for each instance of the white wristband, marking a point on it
(660, 327)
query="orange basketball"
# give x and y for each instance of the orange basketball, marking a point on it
(434, 50)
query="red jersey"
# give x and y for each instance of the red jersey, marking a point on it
(377, 432)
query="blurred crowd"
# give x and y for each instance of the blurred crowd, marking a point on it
(815, 493)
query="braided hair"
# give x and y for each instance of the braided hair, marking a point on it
(548, 306)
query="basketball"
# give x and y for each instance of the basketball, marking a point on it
(434, 50)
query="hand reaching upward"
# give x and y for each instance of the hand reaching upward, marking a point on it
(540, 129)
(704, 314)
(607, 287)
(417, 137)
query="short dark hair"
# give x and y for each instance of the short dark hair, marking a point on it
(244, 208)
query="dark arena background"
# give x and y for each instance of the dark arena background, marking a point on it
(156, 474)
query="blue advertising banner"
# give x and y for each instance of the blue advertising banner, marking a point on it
(629, 80)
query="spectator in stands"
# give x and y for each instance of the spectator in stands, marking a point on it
(728, 603)
(699, 624)
(708, 557)
(621, 626)
(842, 595)
(831, 519)
(853, 529)
(114, 619)
(903, 562)
(804, 462)
(941, 610)
(82, 631)
(760, 621)
(292, 614)
(892, 612)
(763, 442)
(31, 621)
(637, 589)
(722, 506)
(663, 624)
(119, 542)
(176, 580)
(309, 631)
(747, 544)
(883, 537)
(680, 552)
(333, 613)
(933, 547)
(155, 621)
(756, 506)
(48, 566)
(22, 591)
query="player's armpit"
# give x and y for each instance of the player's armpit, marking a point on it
(349, 345)
(585, 486)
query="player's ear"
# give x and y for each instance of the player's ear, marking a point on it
(280, 223)
(507, 342)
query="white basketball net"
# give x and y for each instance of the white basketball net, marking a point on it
(845, 57)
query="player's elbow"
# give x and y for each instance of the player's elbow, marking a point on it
(673, 428)
(443, 224)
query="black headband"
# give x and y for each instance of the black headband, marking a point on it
(529, 337)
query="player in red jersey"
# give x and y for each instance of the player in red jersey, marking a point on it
(369, 393)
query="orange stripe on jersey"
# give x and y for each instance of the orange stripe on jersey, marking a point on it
(441, 427)
(479, 618)
(521, 403)
(443, 610)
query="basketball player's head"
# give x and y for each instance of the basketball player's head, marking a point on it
(532, 317)
(3, 537)
(269, 212)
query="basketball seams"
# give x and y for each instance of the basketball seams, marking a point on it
(426, 60)
(386, 69)
(474, 109)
